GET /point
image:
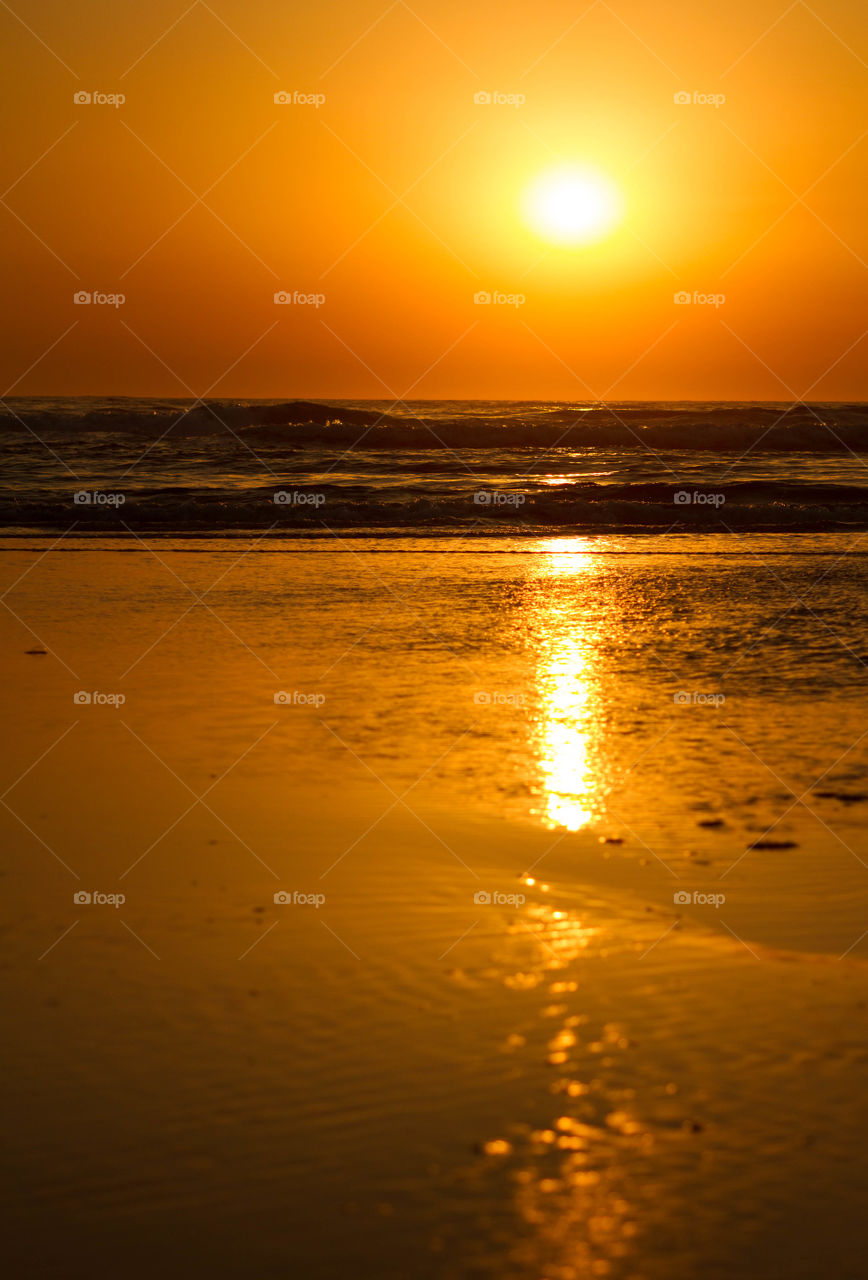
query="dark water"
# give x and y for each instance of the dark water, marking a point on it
(433, 466)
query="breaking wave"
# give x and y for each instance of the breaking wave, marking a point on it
(479, 467)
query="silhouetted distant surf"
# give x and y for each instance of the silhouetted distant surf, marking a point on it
(432, 466)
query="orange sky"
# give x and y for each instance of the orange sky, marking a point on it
(398, 199)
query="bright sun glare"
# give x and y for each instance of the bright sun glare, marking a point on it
(572, 206)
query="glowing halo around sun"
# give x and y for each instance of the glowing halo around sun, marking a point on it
(572, 206)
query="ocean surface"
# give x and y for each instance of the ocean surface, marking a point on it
(284, 468)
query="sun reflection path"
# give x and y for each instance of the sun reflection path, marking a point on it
(568, 730)
(564, 737)
(579, 1172)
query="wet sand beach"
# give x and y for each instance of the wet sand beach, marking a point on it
(480, 1031)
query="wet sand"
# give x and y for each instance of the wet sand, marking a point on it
(401, 1079)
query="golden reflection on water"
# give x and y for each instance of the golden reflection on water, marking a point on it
(572, 1178)
(566, 736)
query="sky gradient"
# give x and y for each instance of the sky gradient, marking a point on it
(396, 197)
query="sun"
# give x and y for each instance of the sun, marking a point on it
(572, 206)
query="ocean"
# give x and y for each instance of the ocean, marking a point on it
(432, 467)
